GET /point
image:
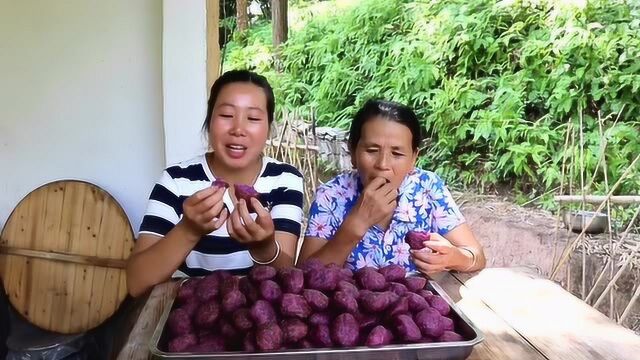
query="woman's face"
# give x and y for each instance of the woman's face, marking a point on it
(384, 150)
(239, 124)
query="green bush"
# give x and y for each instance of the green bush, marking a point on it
(496, 84)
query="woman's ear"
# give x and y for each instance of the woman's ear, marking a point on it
(415, 157)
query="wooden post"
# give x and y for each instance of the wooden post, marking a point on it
(598, 199)
(213, 46)
(280, 27)
(241, 15)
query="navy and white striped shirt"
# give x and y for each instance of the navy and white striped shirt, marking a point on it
(281, 189)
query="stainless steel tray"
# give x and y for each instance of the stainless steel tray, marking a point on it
(443, 350)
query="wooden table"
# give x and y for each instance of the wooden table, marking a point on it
(522, 315)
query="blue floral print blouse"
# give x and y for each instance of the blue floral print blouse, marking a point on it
(425, 204)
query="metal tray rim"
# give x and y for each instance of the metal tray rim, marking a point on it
(155, 338)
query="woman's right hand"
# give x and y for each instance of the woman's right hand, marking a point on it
(204, 211)
(376, 203)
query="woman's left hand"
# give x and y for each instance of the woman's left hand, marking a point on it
(245, 230)
(438, 255)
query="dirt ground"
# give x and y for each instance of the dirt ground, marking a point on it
(512, 235)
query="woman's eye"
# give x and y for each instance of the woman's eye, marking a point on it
(398, 154)
(254, 119)
(226, 115)
(371, 150)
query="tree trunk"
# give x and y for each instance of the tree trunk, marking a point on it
(280, 27)
(241, 15)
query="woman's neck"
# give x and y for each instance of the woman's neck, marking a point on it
(247, 175)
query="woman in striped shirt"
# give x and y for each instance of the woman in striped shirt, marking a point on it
(192, 226)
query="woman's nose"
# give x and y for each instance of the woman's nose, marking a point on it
(382, 162)
(237, 127)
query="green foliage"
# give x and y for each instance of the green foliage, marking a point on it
(496, 84)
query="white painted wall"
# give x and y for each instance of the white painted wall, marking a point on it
(184, 51)
(81, 97)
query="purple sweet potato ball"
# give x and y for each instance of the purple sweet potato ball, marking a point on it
(262, 313)
(415, 283)
(439, 304)
(291, 280)
(349, 288)
(246, 192)
(191, 306)
(249, 342)
(260, 273)
(375, 301)
(293, 330)
(220, 183)
(416, 239)
(416, 302)
(179, 322)
(407, 329)
(269, 337)
(233, 301)
(209, 343)
(379, 336)
(345, 302)
(182, 343)
(398, 288)
(316, 299)
(429, 322)
(249, 290)
(450, 336)
(324, 279)
(320, 318)
(393, 272)
(345, 330)
(208, 288)
(270, 291)
(311, 264)
(293, 305)
(207, 314)
(229, 284)
(321, 336)
(187, 291)
(447, 323)
(370, 279)
(399, 307)
(242, 319)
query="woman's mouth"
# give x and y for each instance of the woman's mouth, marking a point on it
(235, 151)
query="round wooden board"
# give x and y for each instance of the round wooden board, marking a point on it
(67, 220)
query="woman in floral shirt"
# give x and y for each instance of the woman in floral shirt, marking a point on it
(360, 218)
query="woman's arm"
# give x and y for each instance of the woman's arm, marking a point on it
(462, 237)
(153, 261)
(155, 258)
(338, 249)
(288, 245)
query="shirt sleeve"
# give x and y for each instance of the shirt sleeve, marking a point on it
(163, 209)
(446, 214)
(322, 222)
(287, 202)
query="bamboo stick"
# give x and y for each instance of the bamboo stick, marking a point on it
(617, 275)
(627, 309)
(597, 199)
(564, 161)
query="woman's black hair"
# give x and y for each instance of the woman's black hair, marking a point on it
(239, 76)
(388, 110)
